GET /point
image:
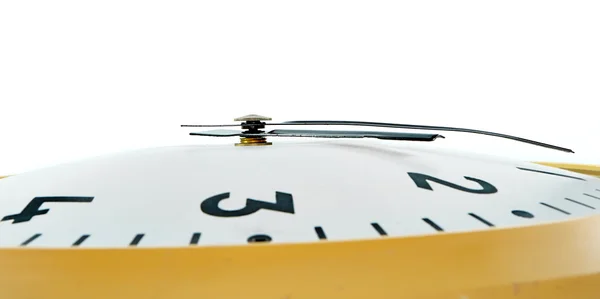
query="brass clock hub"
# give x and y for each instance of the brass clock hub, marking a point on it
(253, 125)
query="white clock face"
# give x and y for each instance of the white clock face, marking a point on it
(285, 192)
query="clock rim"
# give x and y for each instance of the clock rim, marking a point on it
(552, 260)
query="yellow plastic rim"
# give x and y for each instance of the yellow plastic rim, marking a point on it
(592, 170)
(556, 260)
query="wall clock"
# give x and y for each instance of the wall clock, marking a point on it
(352, 214)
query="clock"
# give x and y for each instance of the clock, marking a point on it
(342, 217)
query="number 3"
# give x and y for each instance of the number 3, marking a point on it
(283, 203)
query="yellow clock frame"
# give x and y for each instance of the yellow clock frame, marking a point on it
(554, 260)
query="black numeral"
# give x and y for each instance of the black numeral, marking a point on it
(421, 180)
(284, 203)
(32, 208)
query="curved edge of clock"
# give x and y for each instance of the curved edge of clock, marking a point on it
(554, 260)
(588, 169)
(593, 170)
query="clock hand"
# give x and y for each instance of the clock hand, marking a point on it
(423, 127)
(253, 126)
(323, 134)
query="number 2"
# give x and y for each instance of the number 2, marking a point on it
(421, 182)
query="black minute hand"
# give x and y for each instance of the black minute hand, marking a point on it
(421, 127)
(391, 125)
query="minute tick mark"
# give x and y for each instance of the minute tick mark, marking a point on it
(555, 208)
(30, 239)
(592, 196)
(551, 173)
(580, 203)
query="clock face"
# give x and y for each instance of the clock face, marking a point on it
(282, 193)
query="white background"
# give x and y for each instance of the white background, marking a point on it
(85, 78)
